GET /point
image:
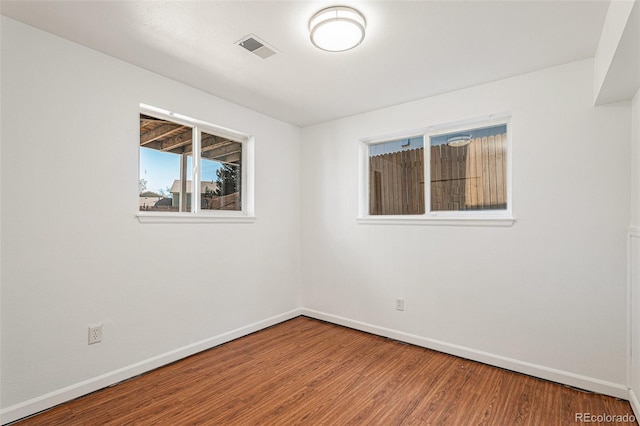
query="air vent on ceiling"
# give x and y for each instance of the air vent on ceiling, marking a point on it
(256, 46)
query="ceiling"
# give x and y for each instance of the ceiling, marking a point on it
(412, 50)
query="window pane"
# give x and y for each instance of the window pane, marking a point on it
(165, 165)
(396, 177)
(469, 170)
(221, 162)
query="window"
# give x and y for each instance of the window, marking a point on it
(396, 177)
(190, 169)
(468, 170)
(463, 175)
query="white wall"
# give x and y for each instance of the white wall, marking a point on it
(70, 257)
(634, 255)
(546, 296)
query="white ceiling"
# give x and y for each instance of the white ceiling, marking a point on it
(412, 50)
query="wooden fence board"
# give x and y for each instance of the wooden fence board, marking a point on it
(478, 153)
(493, 183)
(500, 171)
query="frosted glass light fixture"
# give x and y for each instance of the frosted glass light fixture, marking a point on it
(337, 28)
(459, 140)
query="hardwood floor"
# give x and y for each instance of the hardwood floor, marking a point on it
(309, 372)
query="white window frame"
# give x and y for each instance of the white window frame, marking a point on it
(197, 214)
(449, 218)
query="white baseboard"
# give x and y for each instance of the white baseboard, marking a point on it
(635, 404)
(559, 376)
(60, 396)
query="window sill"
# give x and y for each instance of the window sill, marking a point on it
(494, 221)
(192, 218)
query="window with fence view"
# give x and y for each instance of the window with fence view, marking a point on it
(465, 171)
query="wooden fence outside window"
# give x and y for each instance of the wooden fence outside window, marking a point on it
(471, 177)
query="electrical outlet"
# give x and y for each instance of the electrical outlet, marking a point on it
(95, 334)
(400, 304)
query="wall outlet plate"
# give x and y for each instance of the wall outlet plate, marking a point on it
(95, 334)
(400, 304)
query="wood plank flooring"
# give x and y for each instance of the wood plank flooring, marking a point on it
(307, 372)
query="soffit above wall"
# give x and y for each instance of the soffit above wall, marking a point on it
(618, 59)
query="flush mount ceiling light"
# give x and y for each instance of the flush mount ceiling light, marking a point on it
(459, 140)
(336, 29)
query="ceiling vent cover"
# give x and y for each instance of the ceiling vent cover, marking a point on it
(256, 46)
